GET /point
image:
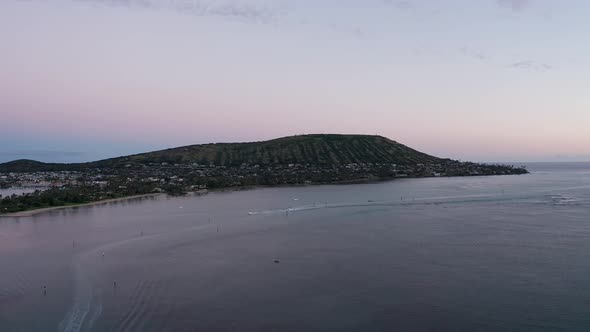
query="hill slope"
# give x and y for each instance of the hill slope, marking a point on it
(318, 150)
(307, 149)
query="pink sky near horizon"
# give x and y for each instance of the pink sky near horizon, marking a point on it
(156, 77)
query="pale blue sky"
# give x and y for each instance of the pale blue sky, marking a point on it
(480, 80)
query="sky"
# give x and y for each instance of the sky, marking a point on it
(479, 80)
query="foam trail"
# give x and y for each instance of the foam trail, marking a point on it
(83, 294)
(95, 315)
(74, 320)
(416, 201)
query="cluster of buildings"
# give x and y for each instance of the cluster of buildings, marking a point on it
(39, 179)
(165, 177)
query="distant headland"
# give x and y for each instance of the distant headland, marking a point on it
(304, 159)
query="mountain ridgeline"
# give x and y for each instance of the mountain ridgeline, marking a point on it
(307, 150)
(316, 150)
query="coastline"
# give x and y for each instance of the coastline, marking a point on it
(32, 213)
(368, 180)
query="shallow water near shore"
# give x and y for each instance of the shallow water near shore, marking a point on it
(498, 253)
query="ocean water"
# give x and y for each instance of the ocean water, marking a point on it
(501, 253)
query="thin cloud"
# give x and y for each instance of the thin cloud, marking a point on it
(530, 65)
(249, 11)
(477, 55)
(515, 5)
(403, 5)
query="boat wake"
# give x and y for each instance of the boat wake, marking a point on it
(535, 198)
(88, 302)
(142, 304)
(83, 301)
(567, 199)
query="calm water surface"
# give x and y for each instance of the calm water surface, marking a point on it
(499, 253)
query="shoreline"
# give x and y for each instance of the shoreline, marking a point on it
(32, 213)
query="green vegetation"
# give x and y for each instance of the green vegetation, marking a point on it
(68, 196)
(307, 149)
(318, 150)
(309, 159)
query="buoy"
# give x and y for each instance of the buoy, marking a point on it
(277, 261)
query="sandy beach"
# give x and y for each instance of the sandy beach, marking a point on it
(31, 213)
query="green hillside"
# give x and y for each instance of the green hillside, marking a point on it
(306, 149)
(328, 149)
